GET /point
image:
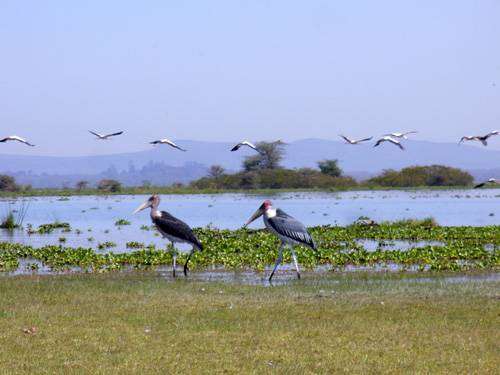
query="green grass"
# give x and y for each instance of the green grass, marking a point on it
(138, 323)
(457, 248)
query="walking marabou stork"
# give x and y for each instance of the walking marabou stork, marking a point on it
(173, 229)
(288, 229)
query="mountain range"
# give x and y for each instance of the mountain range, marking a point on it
(166, 165)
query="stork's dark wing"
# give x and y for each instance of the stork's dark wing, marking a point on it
(378, 143)
(365, 139)
(177, 228)
(114, 134)
(96, 134)
(290, 227)
(237, 147)
(480, 185)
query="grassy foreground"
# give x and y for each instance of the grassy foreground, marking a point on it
(141, 323)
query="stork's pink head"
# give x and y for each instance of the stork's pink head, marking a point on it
(260, 211)
(267, 204)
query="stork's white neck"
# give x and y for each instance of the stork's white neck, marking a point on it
(155, 213)
(270, 212)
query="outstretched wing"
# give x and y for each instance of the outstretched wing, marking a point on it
(364, 139)
(237, 147)
(96, 134)
(177, 147)
(170, 225)
(114, 134)
(345, 138)
(480, 185)
(290, 227)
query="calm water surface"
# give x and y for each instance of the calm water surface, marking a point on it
(95, 215)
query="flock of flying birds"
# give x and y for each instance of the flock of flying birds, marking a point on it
(395, 138)
(289, 230)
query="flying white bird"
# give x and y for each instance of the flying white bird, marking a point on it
(491, 181)
(481, 138)
(354, 141)
(16, 138)
(400, 135)
(248, 144)
(166, 141)
(389, 139)
(105, 136)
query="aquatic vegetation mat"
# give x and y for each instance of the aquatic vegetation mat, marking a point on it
(430, 247)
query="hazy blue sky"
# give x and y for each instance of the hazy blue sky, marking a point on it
(228, 70)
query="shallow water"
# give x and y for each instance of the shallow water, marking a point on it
(95, 215)
(286, 274)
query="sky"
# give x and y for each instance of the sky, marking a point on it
(233, 70)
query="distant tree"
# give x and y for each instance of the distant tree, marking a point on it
(8, 183)
(330, 167)
(271, 155)
(146, 184)
(216, 171)
(109, 185)
(432, 175)
(81, 185)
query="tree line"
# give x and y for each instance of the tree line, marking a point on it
(265, 171)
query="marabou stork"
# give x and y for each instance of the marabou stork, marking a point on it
(288, 229)
(248, 144)
(491, 181)
(17, 139)
(166, 141)
(481, 138)
(105, 136)
(391, 140)
(400, 135)
(173, 229)
(354, 141)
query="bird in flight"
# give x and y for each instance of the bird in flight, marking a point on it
(248, 144)
(389, 139)
(354, 141)
(166, 141)
(16, 138)
(491, 181)
(400, 135)
(481, 138)
(105, 136)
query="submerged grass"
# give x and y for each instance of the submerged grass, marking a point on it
(463, 248)
(141, 323)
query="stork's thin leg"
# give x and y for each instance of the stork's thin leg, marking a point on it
(278, 261)
(174, 264)
(295, 261)
(187, 261)
(174, 259)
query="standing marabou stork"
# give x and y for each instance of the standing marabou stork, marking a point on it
(289, 230)
(173, 229)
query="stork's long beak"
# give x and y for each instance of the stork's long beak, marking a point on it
(254, 217)
(142, 207)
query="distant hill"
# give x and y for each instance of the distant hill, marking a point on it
(360, 161)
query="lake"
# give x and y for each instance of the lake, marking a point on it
(95, 216)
